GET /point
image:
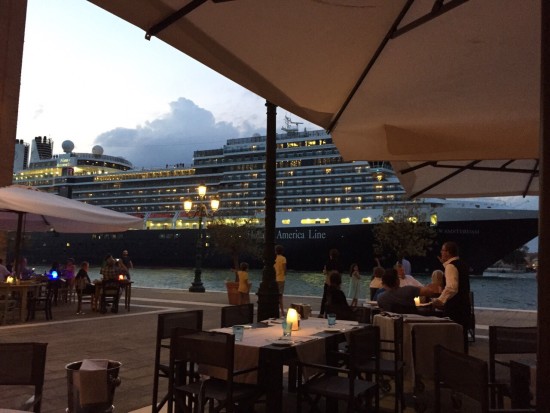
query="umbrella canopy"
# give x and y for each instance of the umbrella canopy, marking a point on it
(391, 80)
(461, 179)
(43, 212)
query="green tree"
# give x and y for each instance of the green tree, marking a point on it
(403, 231)
(517, 258)
(236, 239)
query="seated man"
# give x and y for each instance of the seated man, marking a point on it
(406, 279)
(398, 299)
(336, 299)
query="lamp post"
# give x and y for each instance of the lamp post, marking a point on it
(200, 210)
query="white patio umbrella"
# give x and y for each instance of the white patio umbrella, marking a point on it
(395, 80)
(27, 209)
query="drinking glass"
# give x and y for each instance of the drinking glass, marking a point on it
(331, 319)
(287, 328)
(238, 331)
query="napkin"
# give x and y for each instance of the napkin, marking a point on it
(91, 381)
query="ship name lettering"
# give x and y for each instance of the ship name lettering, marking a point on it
(290, 235)
(314, 234)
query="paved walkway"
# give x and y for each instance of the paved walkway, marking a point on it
(129, 337)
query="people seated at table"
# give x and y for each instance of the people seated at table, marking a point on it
(68, 273)
(406, 279)
(25, 273)
(337, 302)
(376, 282)
(109, 271)
(438, 280)
(397, 299)
(83, 285)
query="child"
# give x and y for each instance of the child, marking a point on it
(244, 286)
(354, 285)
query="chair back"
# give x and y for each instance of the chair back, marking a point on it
(166, 322)
(209, 348)
(464, 375)
(509, 340)
(24, 364)
(110, 288)
(364, 348)
(237, 314)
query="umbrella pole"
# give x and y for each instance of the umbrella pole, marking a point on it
(268, 293)
(543, 316)
(18, 242)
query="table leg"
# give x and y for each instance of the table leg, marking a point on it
(271, 377)
(127, 296)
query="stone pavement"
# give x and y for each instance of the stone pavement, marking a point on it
(129, 337)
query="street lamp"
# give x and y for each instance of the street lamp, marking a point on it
(200, 210)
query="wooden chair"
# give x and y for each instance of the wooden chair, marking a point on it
(237, 314)
(394, 365)
(167, 322)
(24, 364)
(339, 383)
(507, 341)
(42, 301)
(110, 294)
(215, 350)
(467, 382)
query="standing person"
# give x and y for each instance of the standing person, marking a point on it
(83, 285)
(280, 274)
(406, 265)
(244, 285)
(455, 298)
(332, 264)
(127, 261)
(69, 272)
(355, 284)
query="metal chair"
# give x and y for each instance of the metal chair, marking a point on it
(466, 379)
(507, 340)
(167, 322)
(472, 321)
(110, 294)
(339, 383)
(24, 364)
(394, 365)
(215, 350)
(237, 314)
(42, 301)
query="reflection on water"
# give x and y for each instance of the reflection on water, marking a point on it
(494, 290)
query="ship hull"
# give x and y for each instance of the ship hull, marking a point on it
(482, 243)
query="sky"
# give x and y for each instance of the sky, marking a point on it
(92, 78)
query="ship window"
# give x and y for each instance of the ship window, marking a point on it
(433, 219)
(345, 220)
(285, 221)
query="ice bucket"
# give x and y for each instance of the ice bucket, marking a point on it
(303, 309)
(74, 392)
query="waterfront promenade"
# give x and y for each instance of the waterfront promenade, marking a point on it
(129, 337)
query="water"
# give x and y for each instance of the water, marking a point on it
(493, 290)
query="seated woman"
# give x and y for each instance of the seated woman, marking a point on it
(337, 302)
(376, 282)
(438, 281)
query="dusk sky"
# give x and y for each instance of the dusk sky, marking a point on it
(92, 78)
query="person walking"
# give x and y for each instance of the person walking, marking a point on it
(355, 284)
(280, 274)
(455, 298)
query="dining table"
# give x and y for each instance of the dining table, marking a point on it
(263, 346)
(22, 290)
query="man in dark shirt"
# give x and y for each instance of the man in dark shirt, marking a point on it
(398, 299)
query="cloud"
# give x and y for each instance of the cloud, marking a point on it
(172, 138)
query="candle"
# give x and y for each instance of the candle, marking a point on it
(121, 277)
(9, 280)
(417, 301)
(292, 317)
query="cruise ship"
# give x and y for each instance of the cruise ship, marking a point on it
(323, 202)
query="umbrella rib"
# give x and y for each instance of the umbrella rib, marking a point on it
(174, 17)
(531, 177)
(502, 168)
(371, 63)
(436, 183)
(437, 10)
(419, 166)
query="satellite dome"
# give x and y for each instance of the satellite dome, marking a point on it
(67, 146)
(97, 150)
